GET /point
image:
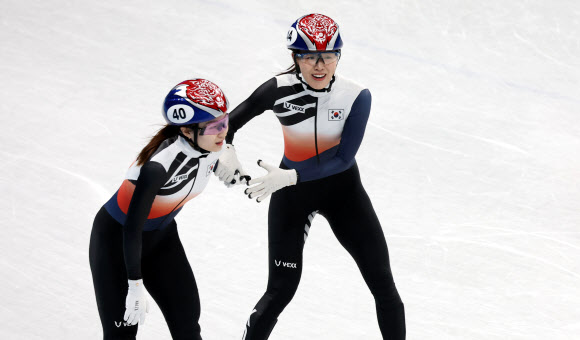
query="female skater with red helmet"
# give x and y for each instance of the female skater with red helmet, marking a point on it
(323, 118)
(134, 241)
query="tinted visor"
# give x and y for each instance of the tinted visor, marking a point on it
(215, 128)
(312, 58)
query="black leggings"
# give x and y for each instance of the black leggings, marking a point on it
(342, 200)
(167, 276)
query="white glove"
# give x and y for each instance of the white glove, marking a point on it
(136, 303)
(229, 169)
(275, 180)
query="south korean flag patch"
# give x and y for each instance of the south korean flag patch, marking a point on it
(210, 168)
(335, 115)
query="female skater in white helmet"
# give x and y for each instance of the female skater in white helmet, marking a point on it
(323, 118)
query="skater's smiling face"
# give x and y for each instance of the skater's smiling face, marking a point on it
(210, 135)
(317, 68)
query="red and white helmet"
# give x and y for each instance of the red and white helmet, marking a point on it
(314, 32)
(194, 101)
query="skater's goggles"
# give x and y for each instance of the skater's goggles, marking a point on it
(311, 58)
(215, 128)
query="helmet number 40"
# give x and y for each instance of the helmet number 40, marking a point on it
(179, 113)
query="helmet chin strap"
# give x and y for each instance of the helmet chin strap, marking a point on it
(298, 72)
(193, 142)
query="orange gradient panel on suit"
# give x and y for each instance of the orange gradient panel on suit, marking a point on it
(124, 195)
(327, 142)
(298, 146)
(162, 205)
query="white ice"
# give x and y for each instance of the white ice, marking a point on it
(471, 158)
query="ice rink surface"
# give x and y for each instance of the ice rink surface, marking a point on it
(471, 158)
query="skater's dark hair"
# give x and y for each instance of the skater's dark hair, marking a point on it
(291, 70)
(165, 132)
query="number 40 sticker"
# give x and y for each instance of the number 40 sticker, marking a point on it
(180, 113)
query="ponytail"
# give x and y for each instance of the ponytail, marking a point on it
(291, 70)
(164, 133)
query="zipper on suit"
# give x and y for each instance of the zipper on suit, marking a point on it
(316, 132)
